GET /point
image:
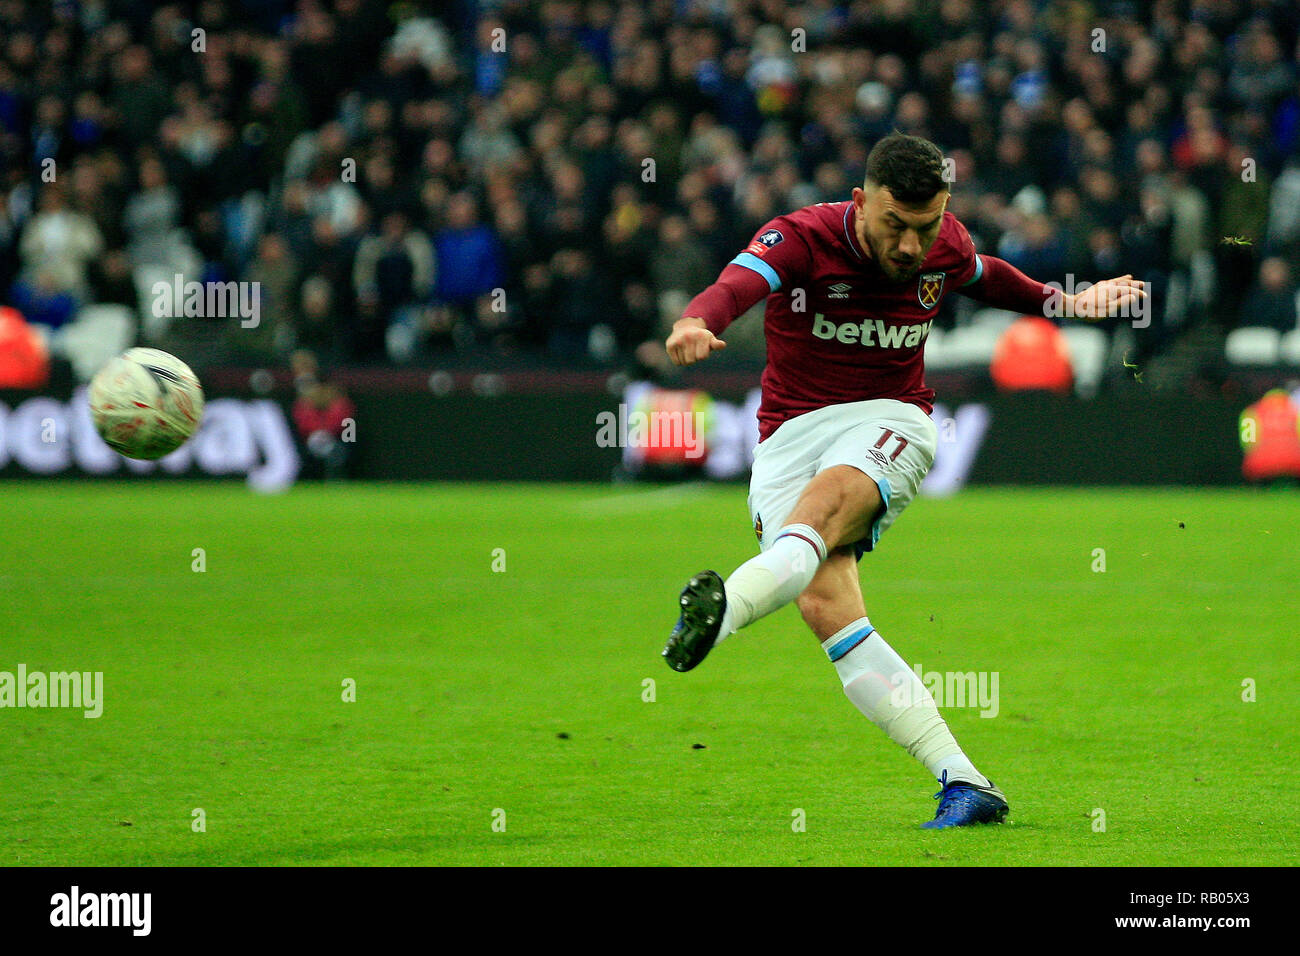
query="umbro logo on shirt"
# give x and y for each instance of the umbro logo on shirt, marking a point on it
(839, 290)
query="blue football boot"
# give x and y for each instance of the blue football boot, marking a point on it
(963, 804)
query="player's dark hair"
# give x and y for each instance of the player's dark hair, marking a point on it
(910, 167)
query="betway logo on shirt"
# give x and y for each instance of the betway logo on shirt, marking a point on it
(871, 332)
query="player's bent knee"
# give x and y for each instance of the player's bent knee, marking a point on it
(825, 614)
(841, 503)
(833, 599)
(809, 605)
(813, 607)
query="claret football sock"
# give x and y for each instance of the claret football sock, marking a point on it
(891, 696)
(774, 578)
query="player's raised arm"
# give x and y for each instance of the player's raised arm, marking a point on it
(695, 334)
(1121, 296)
(776, 255)
(999, 284)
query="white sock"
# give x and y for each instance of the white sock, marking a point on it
(892, 697)
(774, 578)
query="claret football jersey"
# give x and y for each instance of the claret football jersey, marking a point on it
(838, 329)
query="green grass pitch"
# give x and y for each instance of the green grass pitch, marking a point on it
(519, 696)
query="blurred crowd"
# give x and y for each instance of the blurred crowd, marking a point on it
(409, 182)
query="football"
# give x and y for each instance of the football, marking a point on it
(145, 403)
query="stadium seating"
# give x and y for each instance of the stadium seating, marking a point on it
(996, 321)
(1253, 346)
(1289, 351)
(98, 333)
(969, 345)
(1089, 347)
(742, 128)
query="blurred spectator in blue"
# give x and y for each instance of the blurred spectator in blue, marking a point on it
(468, 253)
(490, 60)
(1035, 246)
(1260, 77)
(732, 95)
(41, 300)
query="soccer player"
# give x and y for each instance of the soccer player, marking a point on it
(845, 434)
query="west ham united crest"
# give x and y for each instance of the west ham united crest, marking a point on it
(928, 288)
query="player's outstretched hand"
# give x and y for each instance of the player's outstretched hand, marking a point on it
(1123, 296)
(690, 341)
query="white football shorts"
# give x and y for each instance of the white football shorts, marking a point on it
(892, 442)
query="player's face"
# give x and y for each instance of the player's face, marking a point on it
(898, 236)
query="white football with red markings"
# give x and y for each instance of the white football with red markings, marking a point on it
(146, 403)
